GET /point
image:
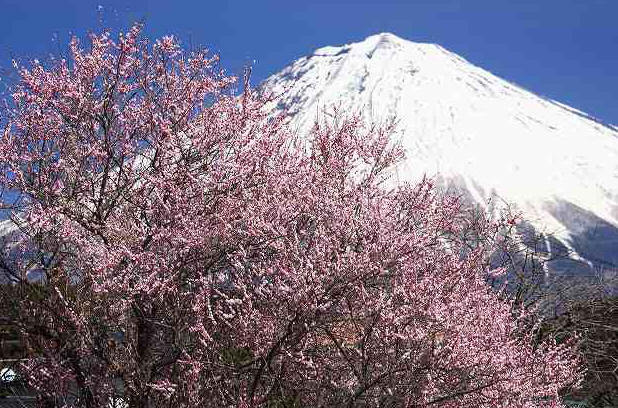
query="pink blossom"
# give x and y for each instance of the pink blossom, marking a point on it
(200, 255)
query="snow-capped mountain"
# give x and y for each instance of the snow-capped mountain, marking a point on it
(490, 138)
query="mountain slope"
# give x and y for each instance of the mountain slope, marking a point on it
(490, 138)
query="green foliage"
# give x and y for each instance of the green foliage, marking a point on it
(284, 402)
(236, 356)
(593, 324)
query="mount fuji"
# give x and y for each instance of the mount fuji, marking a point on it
(494, 141)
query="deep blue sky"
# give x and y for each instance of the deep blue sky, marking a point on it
(563, 49)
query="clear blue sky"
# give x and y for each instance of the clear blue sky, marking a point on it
(564, 49)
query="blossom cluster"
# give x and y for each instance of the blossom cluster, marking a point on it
(179, 246)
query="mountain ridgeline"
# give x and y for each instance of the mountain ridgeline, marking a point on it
(494, 142)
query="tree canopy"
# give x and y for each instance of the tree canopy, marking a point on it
(178, 246)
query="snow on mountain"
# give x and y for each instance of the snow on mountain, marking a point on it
(490, 138)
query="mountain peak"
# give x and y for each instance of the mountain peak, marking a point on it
(367, 46)
(384, 38)
(471, 128)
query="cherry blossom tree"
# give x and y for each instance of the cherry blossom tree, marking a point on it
(177, 246)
